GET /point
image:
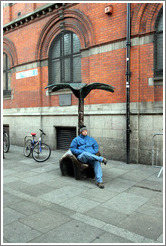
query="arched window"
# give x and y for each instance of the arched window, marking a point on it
(65, 59)
(6, 75)
(158, 46)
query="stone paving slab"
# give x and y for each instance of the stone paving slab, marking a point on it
(17, 232)
(42, 206)
(111, 238)
(9, 198)
(45, 220)
(125, 203)
(72, 232)
(99, 195)
(106, 215)
(120, 185)
(80, 204)
(27, 207)
(143, 224)
(11, 215)
(63, 194)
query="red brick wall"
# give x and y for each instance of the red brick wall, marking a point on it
(6, 15)
(107, 67)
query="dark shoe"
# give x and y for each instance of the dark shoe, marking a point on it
(104, 161)
(100, 185)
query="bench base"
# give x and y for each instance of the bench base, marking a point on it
(70, 166)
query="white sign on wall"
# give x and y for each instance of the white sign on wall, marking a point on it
(26, 74)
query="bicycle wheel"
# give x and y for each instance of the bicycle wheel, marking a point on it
(27, 148)
(41, 153)
(6, 143)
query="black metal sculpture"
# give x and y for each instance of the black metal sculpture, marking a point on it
(80, 90)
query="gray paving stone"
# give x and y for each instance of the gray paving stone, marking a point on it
(37, 190)
(8, 199)
(8, 172)
(99, 195)
(110, 216)
(27, 207)
(124, 233)
(143, 224)
(17, 232)
(60, 209)
(17, 185)
(63, 194)
(88, 220)
(136, 175)
(10, 215)
(22, 168)
(110, 238)
(28, 161)
(153, 185)
(120, 185)
(80, 204)
(24, 174)
(160, 238)
(45, 220)
(141, 192)
(71, 232)
(39, 178)
(46, 168)
(155, 178)
(156, 201)
(9, 179)
(8, 164)
(125, 203)
(58, 183)
(55, 206)
(155, 212)
(113, 173)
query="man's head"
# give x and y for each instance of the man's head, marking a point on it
(83, 130)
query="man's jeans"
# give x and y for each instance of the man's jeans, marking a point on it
(94, 161)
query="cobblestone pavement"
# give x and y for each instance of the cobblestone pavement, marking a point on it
(42, 206)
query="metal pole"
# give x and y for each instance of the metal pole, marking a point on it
(128, 44)
(80, 113)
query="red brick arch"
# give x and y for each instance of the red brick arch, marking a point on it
(144, 17)
(72, 20)
(10, 50)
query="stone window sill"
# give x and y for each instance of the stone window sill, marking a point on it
(155, 81)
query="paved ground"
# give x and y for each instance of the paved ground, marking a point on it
(41, 206)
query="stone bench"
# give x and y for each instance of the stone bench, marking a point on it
(70, 166)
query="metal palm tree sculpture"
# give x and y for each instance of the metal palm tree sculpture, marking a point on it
(81, 90)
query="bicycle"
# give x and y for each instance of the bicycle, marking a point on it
(6, 142)
(39, 150)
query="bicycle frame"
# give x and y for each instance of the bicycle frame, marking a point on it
(39, 150)
(34, 143)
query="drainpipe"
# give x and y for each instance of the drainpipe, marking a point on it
(128, 44)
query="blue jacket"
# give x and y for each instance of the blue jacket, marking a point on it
(84, 143)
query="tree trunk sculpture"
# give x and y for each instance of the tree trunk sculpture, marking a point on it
(80, 90)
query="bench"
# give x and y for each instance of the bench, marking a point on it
(70, 166)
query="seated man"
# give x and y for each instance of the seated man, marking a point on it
(85, 149)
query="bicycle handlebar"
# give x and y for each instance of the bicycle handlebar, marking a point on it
(42, 132)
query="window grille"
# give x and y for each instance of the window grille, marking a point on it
(6, 75)
(65, 59)
(158, 46)
(65, 135)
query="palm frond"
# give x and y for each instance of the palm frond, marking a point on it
(100, 86)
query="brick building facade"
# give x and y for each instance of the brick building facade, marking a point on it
(79, 42)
